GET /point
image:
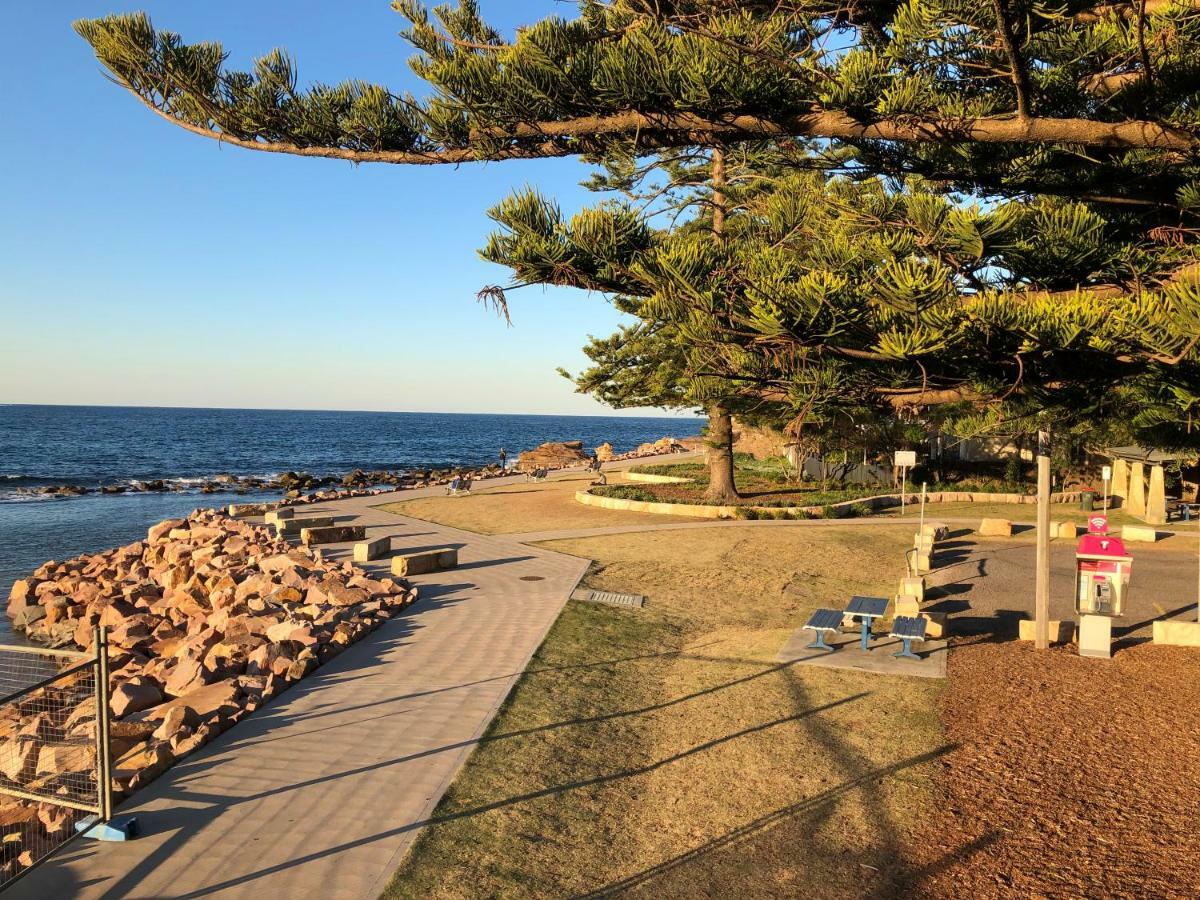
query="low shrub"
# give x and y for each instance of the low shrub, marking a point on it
(626, 492)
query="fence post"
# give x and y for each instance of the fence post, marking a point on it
(103, 730)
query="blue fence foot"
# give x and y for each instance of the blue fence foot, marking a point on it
(118, 828)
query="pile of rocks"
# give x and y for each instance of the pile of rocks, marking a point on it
(207, 619)
(661, 446)
(553, 455)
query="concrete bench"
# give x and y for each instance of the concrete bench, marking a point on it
(332, 534)
(1139, 534)
(995, 528)
(279, 515)
(425, 561)
(365, 551)
(288, 527)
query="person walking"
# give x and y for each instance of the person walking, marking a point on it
(503, 459)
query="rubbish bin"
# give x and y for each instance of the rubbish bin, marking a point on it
(1087, 500)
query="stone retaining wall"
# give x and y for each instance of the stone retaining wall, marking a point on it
(880, 501)
(651, 478)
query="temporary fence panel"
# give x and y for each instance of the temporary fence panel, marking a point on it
(55, 757)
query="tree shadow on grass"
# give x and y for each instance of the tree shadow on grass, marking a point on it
(194, 810)
(805, 808)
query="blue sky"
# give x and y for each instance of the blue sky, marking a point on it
(144, 265)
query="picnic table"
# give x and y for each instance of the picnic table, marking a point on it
(866, 610)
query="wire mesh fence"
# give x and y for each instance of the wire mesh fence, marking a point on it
(53, 750)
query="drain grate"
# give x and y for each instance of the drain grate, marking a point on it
(635, 600)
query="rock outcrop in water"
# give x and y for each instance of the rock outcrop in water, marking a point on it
(207, 619)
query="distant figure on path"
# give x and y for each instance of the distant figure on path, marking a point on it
(503, 459)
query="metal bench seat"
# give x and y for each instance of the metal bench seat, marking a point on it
(820, 622)
(909, 629)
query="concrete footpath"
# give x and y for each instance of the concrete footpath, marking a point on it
(322, 792)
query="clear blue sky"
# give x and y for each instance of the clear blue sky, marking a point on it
(140, 264)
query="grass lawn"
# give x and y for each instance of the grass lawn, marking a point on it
(525, 506)
(665, 751)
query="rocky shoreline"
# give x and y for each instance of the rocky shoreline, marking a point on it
(293, 485)
(207, 619)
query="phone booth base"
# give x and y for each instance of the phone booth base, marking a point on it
(1095, 636)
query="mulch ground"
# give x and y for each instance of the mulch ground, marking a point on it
(1068, 777)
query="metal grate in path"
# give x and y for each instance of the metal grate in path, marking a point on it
(613, 599)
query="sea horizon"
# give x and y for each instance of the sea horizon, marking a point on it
(615, 414)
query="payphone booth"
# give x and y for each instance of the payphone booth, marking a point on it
(1102, 569)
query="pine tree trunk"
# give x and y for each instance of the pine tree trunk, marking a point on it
(721, 485)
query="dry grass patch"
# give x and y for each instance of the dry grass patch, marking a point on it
(665, 751)
(525, 506)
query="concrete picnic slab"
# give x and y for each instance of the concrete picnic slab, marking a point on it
(880, 659)
(321, 792)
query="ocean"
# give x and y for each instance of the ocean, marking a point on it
(94, 446)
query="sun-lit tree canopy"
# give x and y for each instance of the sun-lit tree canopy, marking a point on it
(1033, 73)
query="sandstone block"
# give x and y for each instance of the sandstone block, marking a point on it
(365, 551)
(912, 587)
(1178, 633)
(1061, 632)
(427, 561)
(245, 510)
(280, 515)
(936, 625)
(290, 527)
(332, 534)
(995, 528)
(163, 528)
(1063, 530)
(134, 696)
(1143, 534)
(907, 605)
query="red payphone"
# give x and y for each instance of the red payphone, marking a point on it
(1102, 570)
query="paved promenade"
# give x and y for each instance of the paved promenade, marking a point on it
(321, 792)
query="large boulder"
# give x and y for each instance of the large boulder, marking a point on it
(553, 455)
(134, 696)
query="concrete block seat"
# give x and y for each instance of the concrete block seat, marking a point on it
(425, 561)
(291, 527)
(365, 551)
(995, 528)
(1144, 534)
(1177, 632)
(332, 534)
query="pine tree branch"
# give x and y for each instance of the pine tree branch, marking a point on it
(662, 130)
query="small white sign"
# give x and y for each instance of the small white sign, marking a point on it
(906, 459)
(1106, 473)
